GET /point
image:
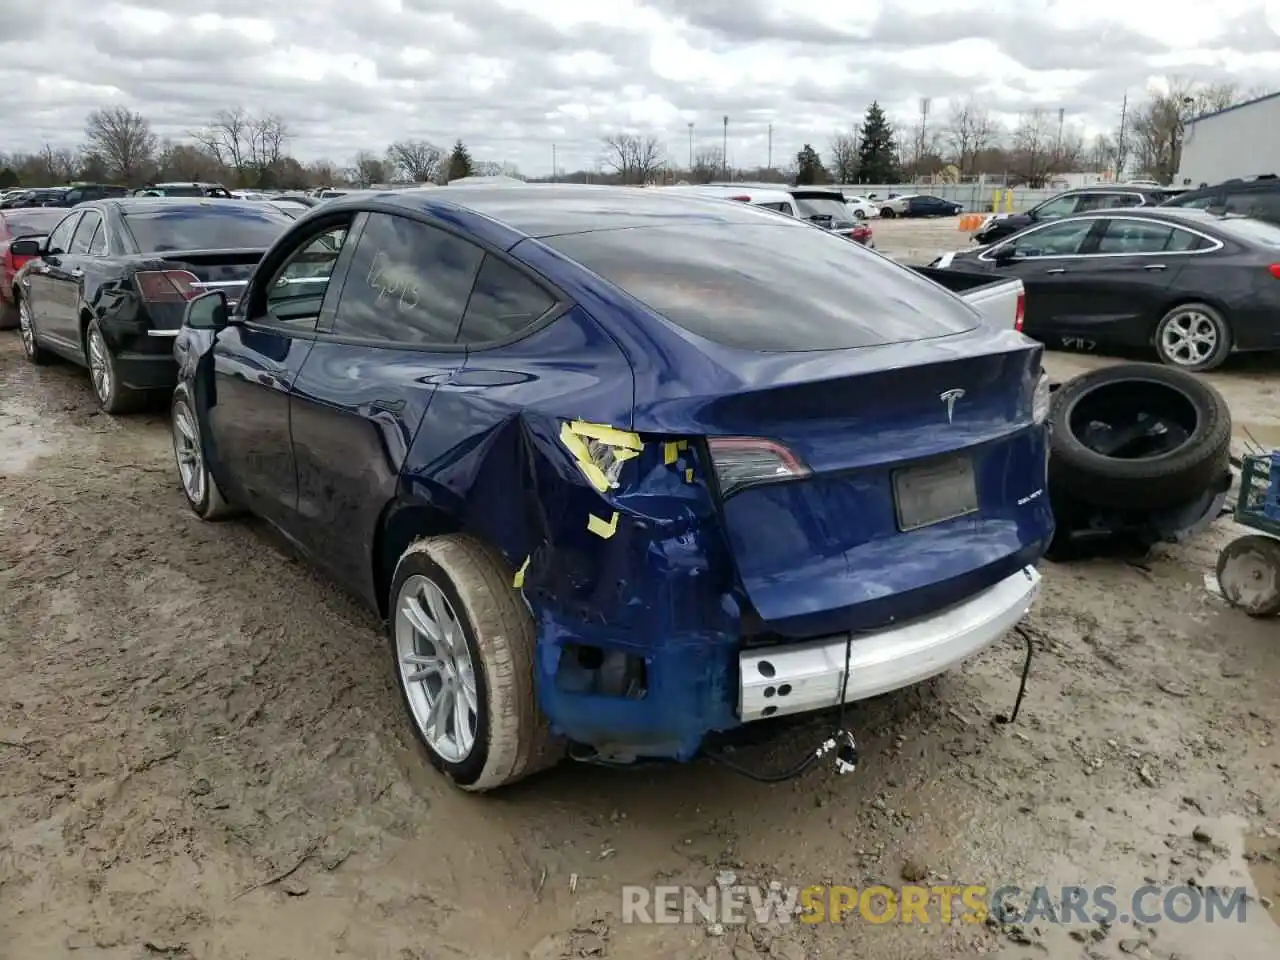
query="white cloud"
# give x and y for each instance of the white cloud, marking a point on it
(512, 77)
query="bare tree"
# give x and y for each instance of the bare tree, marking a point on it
(969, 131)
(1032, 146)
(369, 169)
(248, 145)
(708, 165)
(920, 151)
(1100, 154)
(416, 159)
(123, 139)
(634, 158)
(843, 156)
(59, 164)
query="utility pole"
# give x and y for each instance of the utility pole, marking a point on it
(555, 170)
(1062, 113)
(1121, 157)
(771, 147)
(724, 147)
(924, 131)
(691, 147)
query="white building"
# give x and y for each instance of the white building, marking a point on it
(1240, 141)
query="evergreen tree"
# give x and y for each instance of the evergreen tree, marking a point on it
(460, 162)
(809, 168)
(877, 152)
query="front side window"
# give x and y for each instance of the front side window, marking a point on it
(1058, 240)
(408, 283)
(60, 239)
(98, 245)
(298, 289)
(1057, 207)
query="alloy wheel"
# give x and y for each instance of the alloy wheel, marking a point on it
(26, 328)
(1189, 338)
(436, 669)
(186, 450)
(99, 365)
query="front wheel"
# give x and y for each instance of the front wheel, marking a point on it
(198, 486)
(859, 214)
(464, 644)
(31, 348)
(1193, 337)
(888, 213)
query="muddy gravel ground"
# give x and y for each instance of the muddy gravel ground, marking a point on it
(202, 755)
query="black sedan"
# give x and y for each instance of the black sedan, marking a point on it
(1194, 285)
(1079, 200)
(925, 205)
(108, 286)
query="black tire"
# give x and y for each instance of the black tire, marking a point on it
(512, 737)
(1195, 315)
(31, 348)
(888, 213)
(858, 214)
(113, 396)
(1165, 480)
(1249, 574)
(203, 497)
(9, 314)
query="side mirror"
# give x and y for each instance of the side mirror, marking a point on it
(1005, 254)
(207, 312)
(27, 247)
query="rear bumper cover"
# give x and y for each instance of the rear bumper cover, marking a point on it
(800, 677)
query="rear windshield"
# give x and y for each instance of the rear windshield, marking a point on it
(821, 207)
(774, 287)
(32, 222)
(180, 191)
(217, 226)
(1250, 230)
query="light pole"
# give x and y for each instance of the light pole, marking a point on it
(724, 147)
(690, 146)
(1175, 160)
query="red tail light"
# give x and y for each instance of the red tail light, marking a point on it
(743, 199)
(1020, 311)
(742, 461)
(167, 286)
(1275, 270)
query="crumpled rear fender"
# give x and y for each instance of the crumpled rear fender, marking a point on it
(625, 572)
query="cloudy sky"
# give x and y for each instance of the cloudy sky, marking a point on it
(514, 77)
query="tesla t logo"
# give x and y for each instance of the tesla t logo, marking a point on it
(949, 397)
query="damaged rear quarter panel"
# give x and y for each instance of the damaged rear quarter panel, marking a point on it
(638, 568)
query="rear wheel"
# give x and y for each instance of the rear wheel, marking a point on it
(30, 342)
(1193, 337)
(463, 642)
(859, 214)
(888, 213)
(113, 395)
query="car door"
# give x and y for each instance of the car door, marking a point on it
(1042, 258)
(256, 360)
(67, 278)
(366, 386)
(1119, 290)
(46, 285)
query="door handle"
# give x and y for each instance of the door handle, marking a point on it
(1057, 270)
(1154, 266)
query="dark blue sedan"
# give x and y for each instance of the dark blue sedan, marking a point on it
(621, 468)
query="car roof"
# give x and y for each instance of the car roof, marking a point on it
(549, 209)
(129, 205)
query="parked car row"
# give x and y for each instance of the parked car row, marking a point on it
(621, 470)
(1194, 285)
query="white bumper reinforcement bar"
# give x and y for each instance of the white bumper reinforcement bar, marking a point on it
(794, 678)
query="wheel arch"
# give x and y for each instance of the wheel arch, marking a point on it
(399, 525)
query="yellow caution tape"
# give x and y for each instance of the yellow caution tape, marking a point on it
(518, 582)
(600, 528)
(606, 434)
(688, 475)
(670, 450)
(578, 448)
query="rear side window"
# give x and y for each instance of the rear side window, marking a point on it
(503, 302)
(408, 283)
(216, 226)
(770, 287)
(1133, 236)
(84, 232)
(1263, 204)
